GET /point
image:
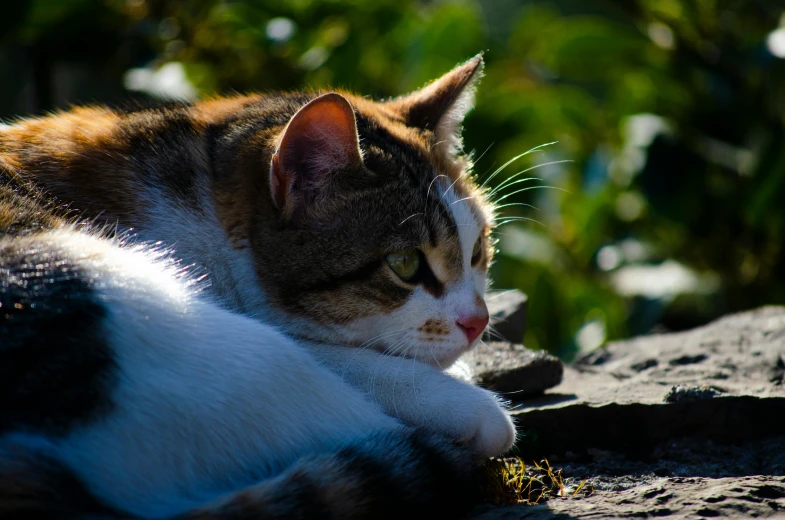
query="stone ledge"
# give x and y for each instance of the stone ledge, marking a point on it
(684, 425)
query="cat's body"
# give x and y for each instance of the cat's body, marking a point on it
(180, 289)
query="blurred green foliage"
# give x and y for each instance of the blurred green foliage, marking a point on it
(670, 211)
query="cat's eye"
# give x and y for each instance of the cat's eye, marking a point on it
(406, 264)
(477, 251)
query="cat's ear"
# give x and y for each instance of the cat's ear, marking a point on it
(441, 105)
(319, 141)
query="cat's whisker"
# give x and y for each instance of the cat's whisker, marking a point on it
(507, 195)
(430, 349)
(454, 226)
(448, 189)
(465, 198)
(389, 351)
(510, 181)
(516, 219)
(509, 204)
(503, 166)
(475, 161)
(410, 216)
(428, 192)
(494, 333)
(437, 143)
(498, 296)
(369, 343)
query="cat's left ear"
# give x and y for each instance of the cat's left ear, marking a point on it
(319, 141)
(441, 106)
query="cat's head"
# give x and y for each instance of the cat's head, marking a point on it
(373, 234)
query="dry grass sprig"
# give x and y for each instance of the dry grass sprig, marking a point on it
(512, 481)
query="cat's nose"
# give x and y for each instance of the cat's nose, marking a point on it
(472, 325)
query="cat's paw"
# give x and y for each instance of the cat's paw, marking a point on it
(485, 425)
(470, 415)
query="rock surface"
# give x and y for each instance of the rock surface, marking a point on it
(756, 496)
(513, 370)
(686, 425)
(508, 315)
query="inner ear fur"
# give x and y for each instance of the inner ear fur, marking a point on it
(319, 141)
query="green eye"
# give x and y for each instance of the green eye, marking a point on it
(405, 264)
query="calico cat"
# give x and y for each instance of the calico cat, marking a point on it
(242, 308)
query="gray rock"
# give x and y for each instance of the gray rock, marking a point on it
(681, 393)
(752, 496)
(508, 315)
(684, 425)
(513, 370)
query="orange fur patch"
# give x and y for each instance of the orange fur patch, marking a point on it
(435, 327)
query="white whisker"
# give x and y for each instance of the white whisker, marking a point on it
(410, 216)
(499, 295)
(516, 204)
(509, 181)
(515, 219)
(531, 188)
(389, 351)
(448, 189)
(369, 343)
(428, 192)
(465, 198)
(430, 350)
(503, 166)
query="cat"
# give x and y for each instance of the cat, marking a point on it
(243, 308)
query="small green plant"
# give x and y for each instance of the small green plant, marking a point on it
(510, 481)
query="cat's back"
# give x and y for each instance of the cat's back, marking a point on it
(114, 163)
(23, 210)
(97, 162)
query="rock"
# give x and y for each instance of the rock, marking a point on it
(513, 370)
(506, 366)
(725, 375)
(683, 425)
(508, 315)
(754, 496)
(680, 394)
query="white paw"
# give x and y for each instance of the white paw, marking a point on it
(486, 425)
(470, 415)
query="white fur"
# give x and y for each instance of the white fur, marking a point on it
(448, 132)
(206, 399)
(469, 226)
(421, 395)
(202, 245)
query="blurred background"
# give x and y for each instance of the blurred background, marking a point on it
(661, 204)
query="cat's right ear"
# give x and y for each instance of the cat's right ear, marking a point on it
(319, 141)
(440, 106)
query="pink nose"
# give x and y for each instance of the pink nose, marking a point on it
(472, 326)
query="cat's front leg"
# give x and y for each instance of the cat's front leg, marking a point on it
(420, 395)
